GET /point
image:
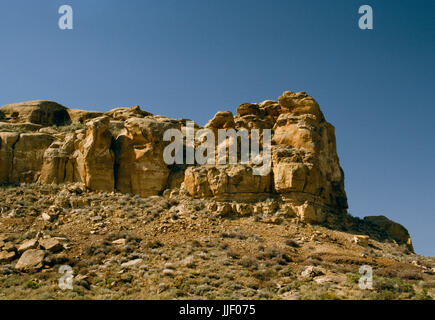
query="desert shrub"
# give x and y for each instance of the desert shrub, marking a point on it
(70, 127)
(153, 244)
(247, 262)
(423, 295)
(353, 277)
(291, 243)
(287, 272)
(233, 254)
(264, 275)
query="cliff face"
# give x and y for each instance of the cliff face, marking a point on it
(122, 150)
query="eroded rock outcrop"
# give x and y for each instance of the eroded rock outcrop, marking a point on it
(122, 150)
(42, 112)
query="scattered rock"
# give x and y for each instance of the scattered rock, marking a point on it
(28, 244)
(311, 272)
(168, 272)
(362, 240)
(131, 263)
(7, 256)
(51, 245)
(119, 242)
(30, 260)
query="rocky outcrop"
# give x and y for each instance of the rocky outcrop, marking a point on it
(81, 116)
(226, 182)
(394, 229)
(140, 168)
(42, 112)
(123, 114)
(122, 150)
(28, 157)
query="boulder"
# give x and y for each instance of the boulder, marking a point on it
(124, 114)
(51, 244)
(58, 162)
(7, 256)
(300, 103)
(28, 244)
(30, 260)
(394, 229)
(221, 120)
(28, 157)
(82, 116)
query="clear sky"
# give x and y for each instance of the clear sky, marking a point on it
(191, 58)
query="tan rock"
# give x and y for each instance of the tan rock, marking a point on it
(394, 229)
(140, 167)
(119, 242)
(7, 256)
(126, 113)
(362, 240)
(58, 162)
(28, 244)
(30, 260)
(225, 181)
(82, 116)
(42, 112)
(221, 120)
(94, 158)
(28, 157)
(310, 213)
(19, 127)
(51, 244)
(300, 103)
(7, 143)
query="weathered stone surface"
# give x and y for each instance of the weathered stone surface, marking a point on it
(394, 229)
(28, 244)
(225, 181)
(51, 244)
(300, 103)
(7, 144)
(42, 112)
(81, 116)
(140, 168)
(221, 120)
(58, 162)
(7, 256)
(28, 157)
(19, 127)
(94, 157)
(126, 113)
(311, 213)
(30, 260)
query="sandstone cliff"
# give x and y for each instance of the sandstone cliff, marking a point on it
(122, 150)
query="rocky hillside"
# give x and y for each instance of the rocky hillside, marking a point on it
(91, 190)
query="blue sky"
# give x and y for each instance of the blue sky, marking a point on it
(191, 58)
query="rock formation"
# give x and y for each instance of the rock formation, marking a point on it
(122, 150)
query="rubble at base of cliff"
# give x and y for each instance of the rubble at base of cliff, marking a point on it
(122, 246)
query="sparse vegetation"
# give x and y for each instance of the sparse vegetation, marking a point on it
(117, 252)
